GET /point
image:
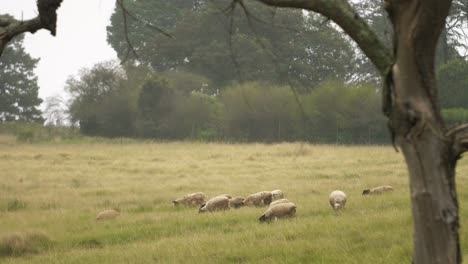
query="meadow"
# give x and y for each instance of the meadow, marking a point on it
(50, 194)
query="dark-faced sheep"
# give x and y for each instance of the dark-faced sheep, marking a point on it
(236, 202)
(277, 194)
(275, 212)
(191, 200)
(107, 215)
(377, 190)
(337, 200)
(258, 199)
(215, 204)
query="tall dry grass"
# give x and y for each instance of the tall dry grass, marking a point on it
(59, 188)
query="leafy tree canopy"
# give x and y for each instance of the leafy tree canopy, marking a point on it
(19, 99)
(220, 44)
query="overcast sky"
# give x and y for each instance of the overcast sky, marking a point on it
(80, 41)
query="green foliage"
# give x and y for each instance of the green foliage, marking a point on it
(344, 114)
(155, 104)
(102, 101)
(278, 46)
(197, 116)
(453, 116)
(453, 84)
(257, 111)
(18, 85)
(33, 132)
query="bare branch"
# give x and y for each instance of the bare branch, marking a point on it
(341, 12)
(47, 19)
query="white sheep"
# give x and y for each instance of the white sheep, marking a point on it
(215, 204)
(337, 200)
(258, 199)
(282, 210)
(107, 215)
(191, 200)
(236, 202)
(277, 194)
(284, 200)
(224, 195)
(377, 190)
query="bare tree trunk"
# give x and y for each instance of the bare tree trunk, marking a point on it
(415, 120)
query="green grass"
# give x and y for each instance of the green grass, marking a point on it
(56, 190)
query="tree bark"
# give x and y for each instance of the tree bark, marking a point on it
(411, 104)
(47, 19)
(414, 115)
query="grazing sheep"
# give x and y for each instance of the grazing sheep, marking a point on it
(377, 190)
(258, 199)
(107, 215)
(215, 204)
(277, 211)
(224, 195)
(191, 200)
(277, 194)
(280, 201)
(236, 202)
(337, 200)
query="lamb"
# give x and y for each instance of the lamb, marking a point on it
(191, 200)
(258, 199)
(282, 210)
(337, 200)
(215, 204)
(377, 190)
(277, 194)
(107, 215)
(236, 202)
(280, 201)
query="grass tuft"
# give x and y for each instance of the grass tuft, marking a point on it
(15, 245)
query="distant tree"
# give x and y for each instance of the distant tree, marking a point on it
(299, 49)
(155, 104)
(55, 111)
(19, 99)
(453, 83)
(101, 101)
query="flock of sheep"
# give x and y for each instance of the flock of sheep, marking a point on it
(278, 206)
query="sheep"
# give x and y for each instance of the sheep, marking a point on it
(107, 215)
(277, 194)
(258, 199)
(337, 200)
(280, 201)
(215, 204)
(377, 190)
(236, 202)
(191, 200)
(277, 211)
(224, 195)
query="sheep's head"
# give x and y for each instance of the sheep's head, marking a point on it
(337, 206)
(366, 192)
(177, 202)
(268, 199)
(202, 208)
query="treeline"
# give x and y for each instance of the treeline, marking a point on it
(108, 102)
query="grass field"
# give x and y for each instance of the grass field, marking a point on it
(50, 194)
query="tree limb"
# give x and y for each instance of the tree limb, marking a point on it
(341, 12)
(47, 19)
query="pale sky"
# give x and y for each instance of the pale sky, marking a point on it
(80, 41)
